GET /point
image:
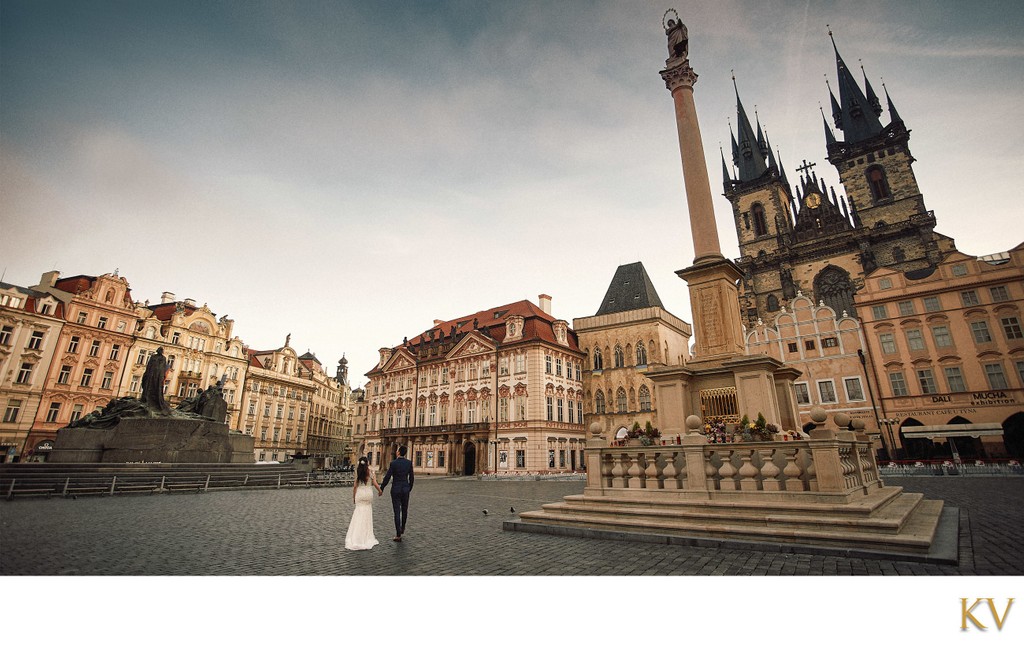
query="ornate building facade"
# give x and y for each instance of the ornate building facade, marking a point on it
(948, 351)
(30, 326)
(813, 241)
(201, 351)
(499, 391)
(327, 431)
(90, 353)
(276, 402)
(630, 334)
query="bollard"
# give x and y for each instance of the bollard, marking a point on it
(66, 482)
(207, 486)
(113, 482)
(162, 479)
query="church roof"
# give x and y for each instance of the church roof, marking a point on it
(630, 289)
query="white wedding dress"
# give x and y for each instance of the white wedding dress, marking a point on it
(360, 529)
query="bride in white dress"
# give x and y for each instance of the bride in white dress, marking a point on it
(360, 529)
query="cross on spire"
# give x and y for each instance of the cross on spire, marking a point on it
(806, 167)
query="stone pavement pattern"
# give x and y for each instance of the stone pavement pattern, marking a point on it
(297, 532)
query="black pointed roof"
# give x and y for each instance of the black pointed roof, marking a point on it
(630, 289)
(858, 118)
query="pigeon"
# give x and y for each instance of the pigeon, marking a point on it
(485, 512)
(512, 509)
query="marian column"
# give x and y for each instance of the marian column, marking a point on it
(712, 279)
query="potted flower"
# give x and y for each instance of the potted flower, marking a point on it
(716, 431)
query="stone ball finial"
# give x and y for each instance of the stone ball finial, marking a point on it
(842, 420)
(596, 428)
(857, 424)
(693, 423)
(818, 415)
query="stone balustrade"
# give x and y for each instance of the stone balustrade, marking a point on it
(839, 462)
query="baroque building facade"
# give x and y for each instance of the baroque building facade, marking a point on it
(327, 430)
(89, 356)
(277, 397)
(30, 326)
(201, 351)
(947, 346)
(813, 241)
(498, 391)
(631, 333)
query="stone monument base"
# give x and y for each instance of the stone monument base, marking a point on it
(151, 440)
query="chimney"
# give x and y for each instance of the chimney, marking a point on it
(166, 297)
(49, 279)
(545, 303)
(190, 303)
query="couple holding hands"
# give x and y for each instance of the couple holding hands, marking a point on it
(360, 529)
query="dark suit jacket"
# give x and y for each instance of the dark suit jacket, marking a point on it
(401, 471)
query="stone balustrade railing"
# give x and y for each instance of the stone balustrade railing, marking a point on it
(837, 461)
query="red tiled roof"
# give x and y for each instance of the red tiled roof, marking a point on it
(491, 323)
(163, 312)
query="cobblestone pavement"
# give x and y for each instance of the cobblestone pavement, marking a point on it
(300, 532)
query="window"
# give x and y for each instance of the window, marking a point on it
(1020, 371)
(879, 312)
(520, 458)
(94, 348)
(793, 347)
(176, 338)
(620, 359)
(899, 384)
(108, 380)
(830, 342)
(470, 412)
(134, 387)
(599, 403)
(996, 378)
(878, 184)
(502, 370)
(115, 352)
(53, 411)
(579, 407)
(36, 341)
(620, 401)
(561, 407)
(65, 375)
(915, 340)
(76, 412)
(960, 270)
(5, 335)
(73, 345)
(102, 323)
(86, 378)
(577, 366)
(551, 409)
(955, 379)
(419, 459)
(906, 307)
(25, 373)
(760, 224)
(82, 317)
(645, 398)
(440, 458)
(1011, 328)
(502, 410)
(641, 354)
(598, 363)
(927, 381)
(572, 411)
(980, 332)
(252, 407)
(854, 390)
(969, 298)
(803, 395)
(266, 409)
(141, 358)
(827, 392)
(999, 294)
(12, 410)
(884, 284)
(888, 342)
(932, 304)
(558, 367)
(547, 364)
(809, 345)
(940, 334)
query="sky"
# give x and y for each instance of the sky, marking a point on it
(347, 172)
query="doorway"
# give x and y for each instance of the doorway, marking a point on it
(469, 462)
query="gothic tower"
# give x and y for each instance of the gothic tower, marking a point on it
(812, 240)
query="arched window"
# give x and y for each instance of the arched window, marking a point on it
(641, 354)
(620, 401)
(598, 363)
(878, 183)
(645, 399)
(898, 255)
(760, 224)
(833, 286)
(599, 403)
(773, 303)
(620, 359)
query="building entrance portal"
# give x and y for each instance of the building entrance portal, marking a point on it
(469, 464)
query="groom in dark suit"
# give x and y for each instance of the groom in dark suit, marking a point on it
(401, 470)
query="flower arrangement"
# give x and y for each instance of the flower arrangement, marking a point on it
(717, 431)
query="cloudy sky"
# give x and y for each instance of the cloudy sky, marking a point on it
(347, 172)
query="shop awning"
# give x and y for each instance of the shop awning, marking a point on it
(952, 430)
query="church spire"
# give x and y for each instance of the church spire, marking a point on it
(876, 106)
(859, 120)
(830, 138)
(893, 115)
(750, 163)
(726, 176)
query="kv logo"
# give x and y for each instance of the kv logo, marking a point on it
(967, 613)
